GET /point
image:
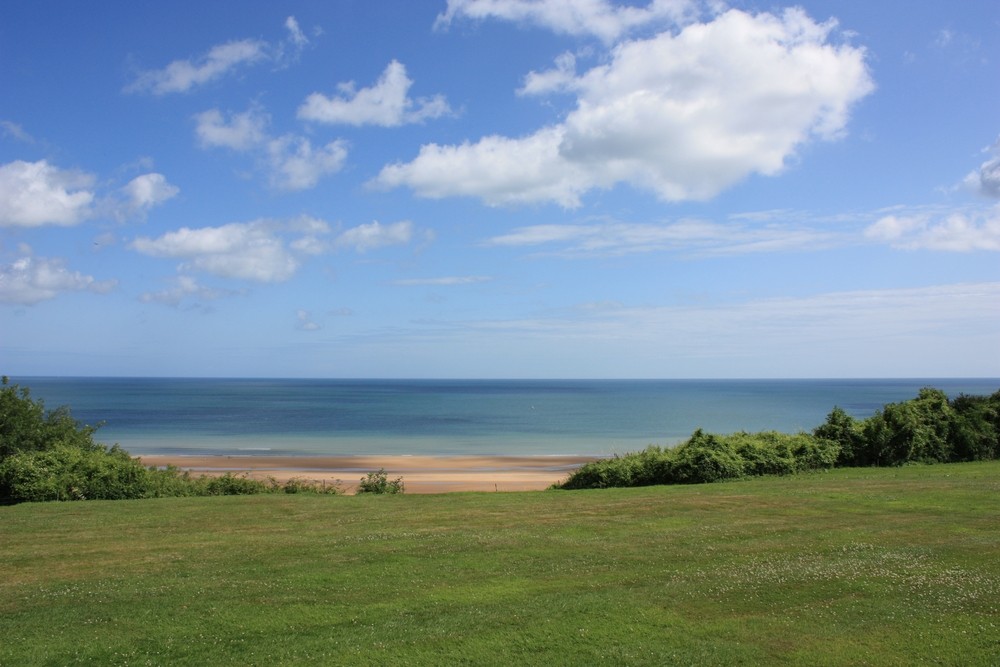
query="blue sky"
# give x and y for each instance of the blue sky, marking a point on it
(500, 188)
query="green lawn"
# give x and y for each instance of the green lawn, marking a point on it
(856, 566)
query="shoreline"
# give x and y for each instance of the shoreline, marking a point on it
(420, 473)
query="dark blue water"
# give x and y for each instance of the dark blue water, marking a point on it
(452, 417)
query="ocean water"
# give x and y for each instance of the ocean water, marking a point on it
(454, 417)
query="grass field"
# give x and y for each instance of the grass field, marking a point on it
(856, 566)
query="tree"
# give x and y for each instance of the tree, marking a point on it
(49, 456)
(975, 431)
(845, 430)
(26, 427)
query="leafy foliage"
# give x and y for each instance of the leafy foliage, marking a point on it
(49, 456)
(928, 428)
(379, 483)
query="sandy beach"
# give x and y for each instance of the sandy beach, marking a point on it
(421, 474)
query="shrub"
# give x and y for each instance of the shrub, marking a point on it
(650, 466)
(303, 485)
(976, 427)
(69, 473)
(705, 458)
(240, 484)
(379, 483)
(767, 453)
(846, 432)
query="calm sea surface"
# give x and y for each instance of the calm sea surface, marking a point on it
(454, 417)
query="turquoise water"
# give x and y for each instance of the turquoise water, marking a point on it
(454, 417)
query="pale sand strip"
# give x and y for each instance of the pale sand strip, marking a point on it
(421, 474)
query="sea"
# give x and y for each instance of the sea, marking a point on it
(312, 417)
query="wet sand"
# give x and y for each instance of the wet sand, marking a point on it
(421, 474)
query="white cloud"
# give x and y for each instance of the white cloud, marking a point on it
(249, 251)
(149, 190)
(561, 78)
(959, 231)
(376, 235)
(295, 165)
(443, 281)
(499, 170)
(386, 104)
(33, 194)
(311, 241)
(264, 251)
(291, 162)
(29, 280)
(986, 179)
(242, 131)
(598, 18)
(683, 115)
(989, 178)
(182, 75)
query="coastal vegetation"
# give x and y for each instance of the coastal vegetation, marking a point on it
(47, 455)
(379, 482)
(857, 566)
(927, 429)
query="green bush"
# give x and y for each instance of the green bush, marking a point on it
(70, 473)
(705, 458)
(813, 453)
(26, 427)
(767, 453)
(975, 430)
(241, 484)
(379, 483)
(846, 433)
(303, 485)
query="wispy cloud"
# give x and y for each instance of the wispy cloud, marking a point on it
(692, 237)
(597, 18)
(181, 76)
(305, 322)
(863, 333)
(14, 130)
(184, 287)
(375, 235)
(290, 161)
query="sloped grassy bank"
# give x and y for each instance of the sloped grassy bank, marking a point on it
(878, 566)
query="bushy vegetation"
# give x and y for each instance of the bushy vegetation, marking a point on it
(927, 429)
(379, 483)
(49, 456)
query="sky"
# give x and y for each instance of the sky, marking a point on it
(500, 189)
